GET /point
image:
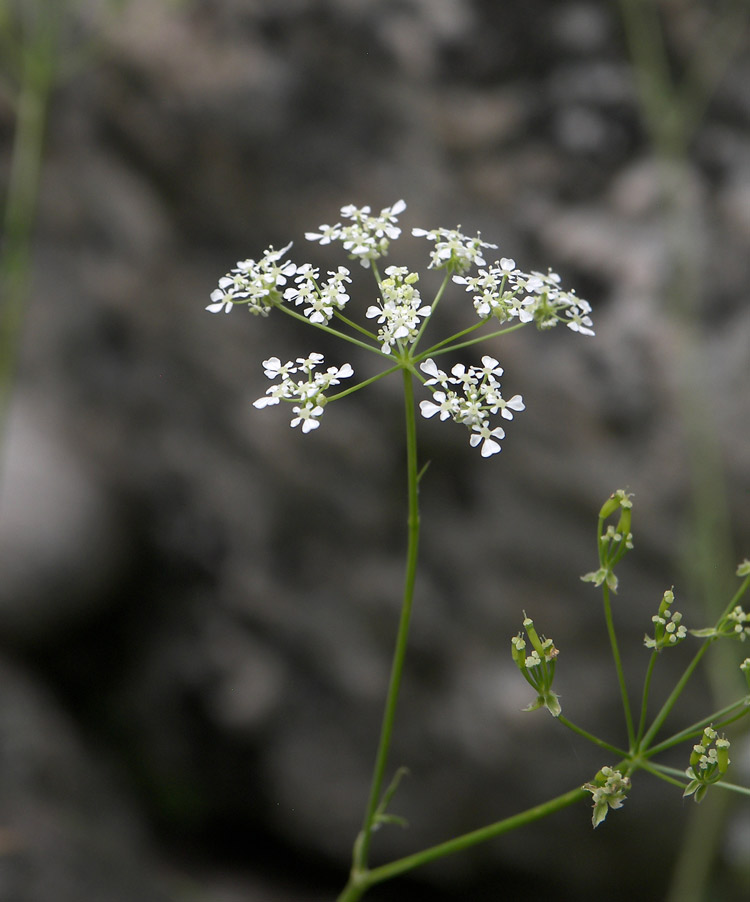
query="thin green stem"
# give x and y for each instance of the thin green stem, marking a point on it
(674, 695)
(644, 700)
(445, 347)
(659, 769)
(39, 60)
(359, 385)
(357, 887)
(668, 774)
(356, 326)
(618, 665)
(736, 598)
(362, 847)
(446, 341)
(427, 319)
(590, 736)
(697, 728)
(350, 338)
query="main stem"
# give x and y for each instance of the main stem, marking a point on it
(362, 847)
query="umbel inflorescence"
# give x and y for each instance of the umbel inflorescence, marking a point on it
(392, 323)
(394, 319)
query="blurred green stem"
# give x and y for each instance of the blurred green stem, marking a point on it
(672, 112)
(38, 64)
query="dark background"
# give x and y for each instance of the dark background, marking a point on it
(198, 604)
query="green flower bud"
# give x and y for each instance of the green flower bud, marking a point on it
(722, 754)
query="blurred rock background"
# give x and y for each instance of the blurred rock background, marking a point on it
(197, 604)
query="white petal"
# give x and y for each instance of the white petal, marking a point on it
(430, 367)
(489, 448)
(428, 408)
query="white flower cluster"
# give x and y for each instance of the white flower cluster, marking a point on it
(453, 250)
(254, 284)
(737, 624)
(709, 761)
(368, 237)
(669, 629)
(505, 292)
(309, 391)
(399, 309)
(478, 398)
(323, 300)
(608, 790)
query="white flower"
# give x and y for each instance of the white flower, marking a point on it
(222, 300)
(490, 367)
(505, 292)
(254, 284)
(400, 308)
(273, 368)
(437, 376)
(321, 301)
(515, 403)
(479, 396)
(307, 416)
(445, 405)
(368, 237)
(453, 250)
(487, 437)
(309, 391)
(326, 235)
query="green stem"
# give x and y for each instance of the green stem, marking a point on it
(697, 728)
(362, 847)
(590, 736)
(618, 665)
(427, 319)
(644, 700)
(359, 385)
(674, 695)
(659, 769)
(350, 338)
(444, 347)
(38, 75)
(355, 326)
(677, 777)
(357, 887)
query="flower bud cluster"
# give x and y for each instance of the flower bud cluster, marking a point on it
(308, 392)
(609, 789)
(479, 397)
(615, 541)
(745, 668)
(368, 237)
(734, 625)
(669, 629)
(537, 668)
(399, 309)
(505, 292)
(709, 761)
(255, 284)
(454, 251)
